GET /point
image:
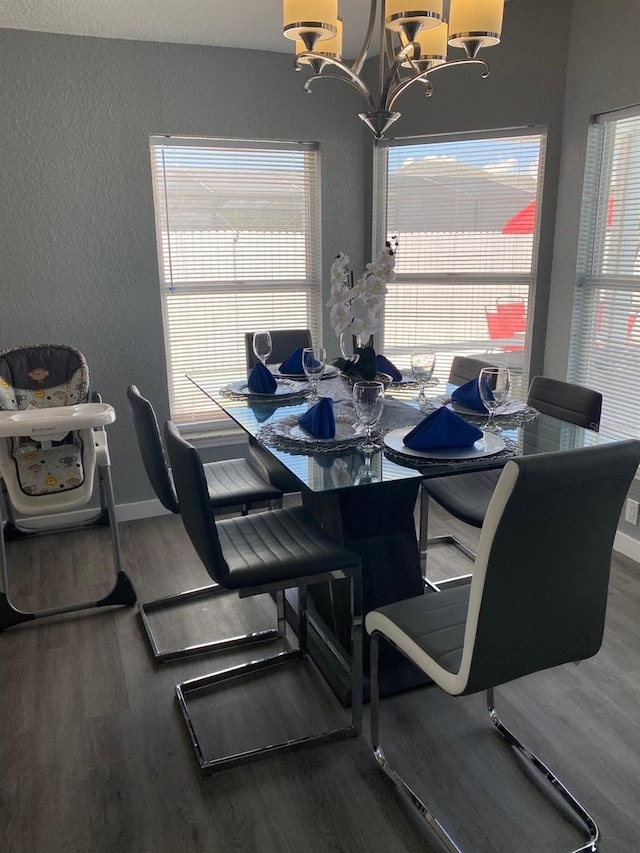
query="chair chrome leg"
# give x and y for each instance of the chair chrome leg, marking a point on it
(425, 542)
(398, 781)
(581, 813)
(183, 690)
(211, 590)
(448, 842)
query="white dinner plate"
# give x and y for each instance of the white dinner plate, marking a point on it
(488, 445)
(285, 388)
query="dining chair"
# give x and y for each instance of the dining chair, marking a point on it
(283, 343)
(466, 496)
(266, 552)
(230, 483)
(537, 598)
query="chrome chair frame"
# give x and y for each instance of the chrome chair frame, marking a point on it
(210, 764)
(544, 772)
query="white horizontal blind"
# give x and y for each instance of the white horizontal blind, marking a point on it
(605, 339)
(465, 210)
(237, 227)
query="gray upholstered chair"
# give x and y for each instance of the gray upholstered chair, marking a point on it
(464, 369)
(283, 342)
(230, 483)
(266, 552)
(467, 496)
(537, 598)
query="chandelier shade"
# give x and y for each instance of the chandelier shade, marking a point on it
(400, 14)
(475, 23)
(309, 20)
(327, 49)
(433, 44)
(413, 44)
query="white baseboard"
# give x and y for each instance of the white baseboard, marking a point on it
(627, 546)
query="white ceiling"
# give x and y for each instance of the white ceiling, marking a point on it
(255, 24)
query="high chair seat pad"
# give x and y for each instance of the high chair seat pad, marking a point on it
(47, 471)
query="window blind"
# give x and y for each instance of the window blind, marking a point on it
(237, 226)
(465, 210)
(605, 339)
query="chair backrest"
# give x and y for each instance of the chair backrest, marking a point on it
(464, 369)
(151, 450)
(283, 342)
(539, 589)
(195, 506)
(564, 400)
(42, 376)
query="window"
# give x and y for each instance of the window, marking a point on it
(605, 338)
(237, 228)
(465, 210)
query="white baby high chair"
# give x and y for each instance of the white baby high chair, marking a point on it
(52, 442)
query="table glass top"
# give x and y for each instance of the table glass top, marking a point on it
(320, 468)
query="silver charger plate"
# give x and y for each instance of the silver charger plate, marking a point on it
(288, 430)
(285, 388)
(488, 445)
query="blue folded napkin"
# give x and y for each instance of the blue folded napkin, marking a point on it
(261, 380)
(319, 419)
(468, 395)
(293, 363)
(443, 428)
(383, 365)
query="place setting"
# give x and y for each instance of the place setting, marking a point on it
(264, 384)
(485, 402)
(444, 436)
(331, 427)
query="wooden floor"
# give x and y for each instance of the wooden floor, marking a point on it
(95, 756)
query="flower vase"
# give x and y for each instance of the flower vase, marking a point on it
(349, 344)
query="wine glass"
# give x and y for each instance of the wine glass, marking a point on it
(368, 400)
(423, 363)
(313, 364)
(493, 387)
(262, 345)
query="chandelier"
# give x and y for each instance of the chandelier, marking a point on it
(413, 44)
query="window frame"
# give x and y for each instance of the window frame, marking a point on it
(463, 279)
(204, 415)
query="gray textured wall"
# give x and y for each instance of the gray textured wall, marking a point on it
(77, 240)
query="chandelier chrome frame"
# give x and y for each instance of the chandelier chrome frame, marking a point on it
(392, 82)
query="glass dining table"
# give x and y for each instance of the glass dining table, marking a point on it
(367, 503)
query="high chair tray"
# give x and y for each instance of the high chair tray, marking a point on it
(43, 423)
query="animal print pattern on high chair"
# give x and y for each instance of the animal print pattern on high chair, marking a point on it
(45, 471)
(67, 394)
